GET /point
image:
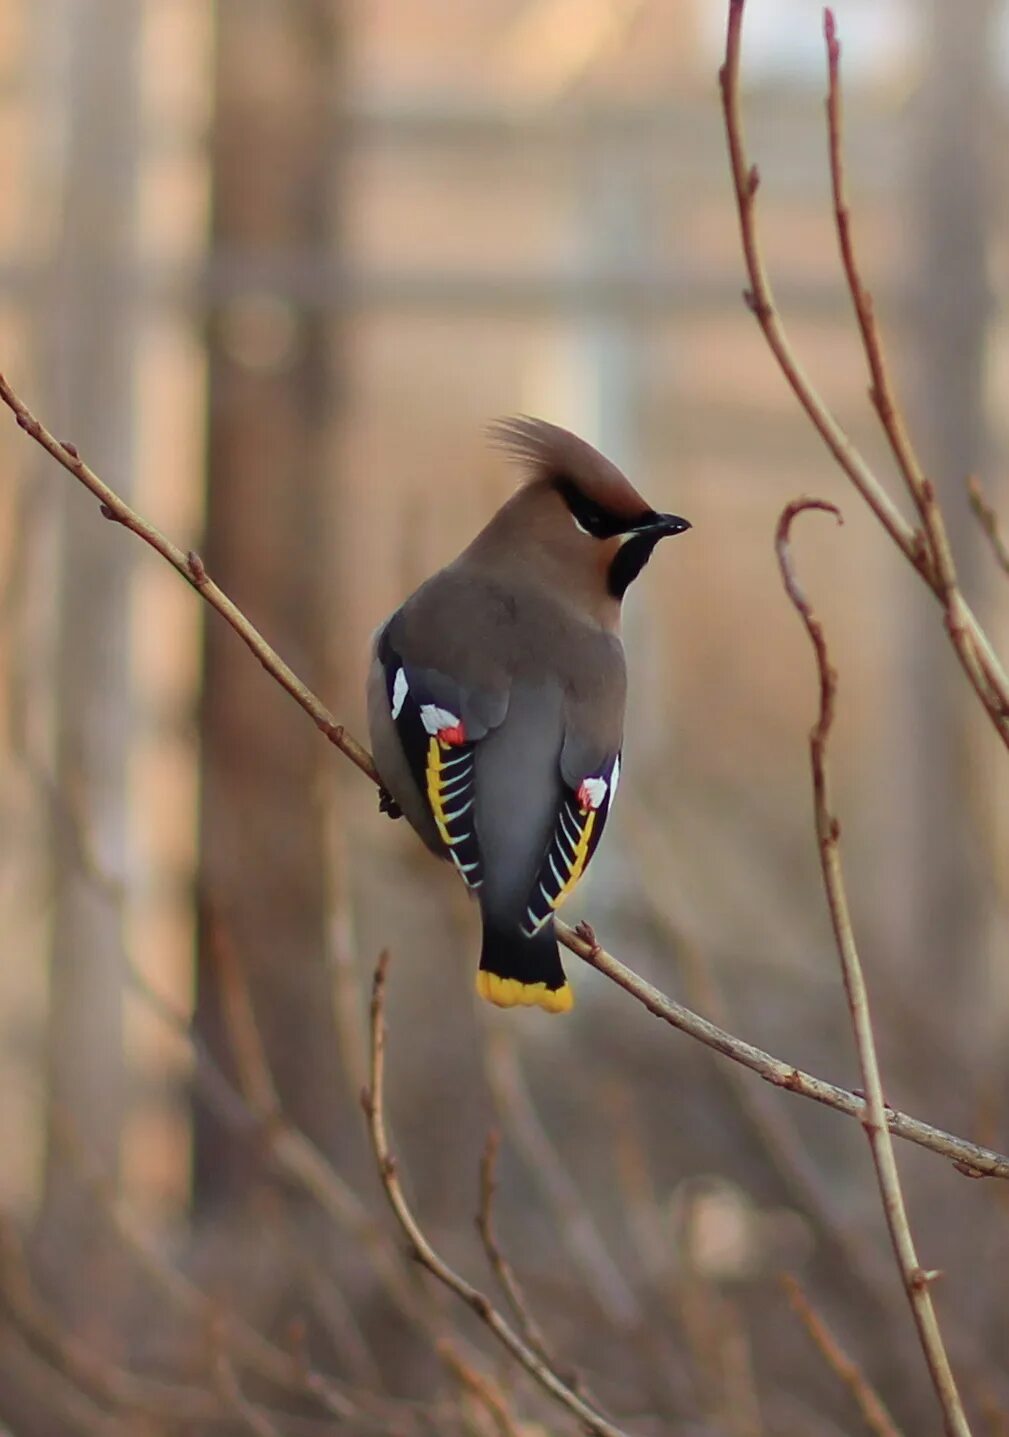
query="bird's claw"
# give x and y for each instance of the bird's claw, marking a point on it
(387, 804)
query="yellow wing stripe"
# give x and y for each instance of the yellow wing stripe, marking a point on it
(581, 857)
(435, 778)
(438, 779)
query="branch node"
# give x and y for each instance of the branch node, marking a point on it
(757, 307)
(196, 567)
(967, 1170)
(71, 449)
(587, 934)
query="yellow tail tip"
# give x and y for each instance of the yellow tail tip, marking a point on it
(511, 993)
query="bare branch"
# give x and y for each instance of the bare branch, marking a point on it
(192, 569)
(880, 390)
(577, 1229)
(868, 1400)
(874, 1121)
(988, 519)
(244, 1343)
(84, 1368)
(252, 1419)
(925, 549)
(969, 1158)
(499, 1264)
(760, 300)
(291, 1150)
(373, 1101)
(483, 1389)
(976, 664)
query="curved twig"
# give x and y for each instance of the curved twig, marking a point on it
(373, 1102)
(874, 1121)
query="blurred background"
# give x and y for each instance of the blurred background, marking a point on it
(273, 267)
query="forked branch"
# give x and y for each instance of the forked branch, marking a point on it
(927, 548)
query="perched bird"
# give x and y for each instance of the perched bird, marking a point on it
(496, 698)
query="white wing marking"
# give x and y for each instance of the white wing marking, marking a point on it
(400, 689)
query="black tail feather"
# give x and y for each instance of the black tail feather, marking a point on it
(516, 970)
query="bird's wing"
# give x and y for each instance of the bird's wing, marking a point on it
(586, 798)
(439, 723)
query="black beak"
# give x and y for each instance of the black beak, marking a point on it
(670, 524)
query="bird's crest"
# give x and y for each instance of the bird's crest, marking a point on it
(549, 453)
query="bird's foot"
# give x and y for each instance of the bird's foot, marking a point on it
(587, 934)
(387, 804)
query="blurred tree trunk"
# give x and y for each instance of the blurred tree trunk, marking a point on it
(270, 394)
(940, 879)
(89, 367)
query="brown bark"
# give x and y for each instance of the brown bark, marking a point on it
(270, 392)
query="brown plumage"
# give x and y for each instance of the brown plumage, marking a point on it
(496, 698)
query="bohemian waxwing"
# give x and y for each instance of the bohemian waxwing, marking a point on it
(496, 698)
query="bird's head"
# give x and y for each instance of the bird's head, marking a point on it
(581, 506)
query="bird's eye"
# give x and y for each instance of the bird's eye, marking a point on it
(589, 517)
(589, 523)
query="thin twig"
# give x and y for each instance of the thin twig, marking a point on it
(192, 569)
(769, 1120)
(293, 1152)
(257, 1106)
(918, 546)
(577, 1229)
(972, 1159)
(760, 301)
(483, 1389)
(943, 572)
(867, 1399)
(916, 1280)
(989, 521)
(373, 1101)
(253, 1419)
(505, 1274)
(85, 1368)
(27, 1376)
(499, 1264)
(881, 389)
(244, 1342)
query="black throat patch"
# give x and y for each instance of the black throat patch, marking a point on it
(631, 558)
